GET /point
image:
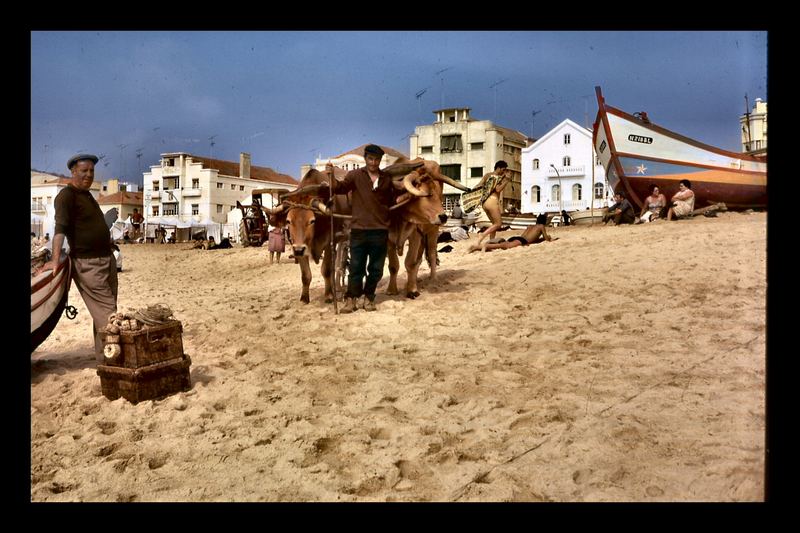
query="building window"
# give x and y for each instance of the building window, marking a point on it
(123, 188)
(219, 208)
(426, 149)
(195, 209)
(155, 211)
(233, 186)
(241, 187)
(577, 192)
(451, 143)
(556, 194)
(567, 161)
(155, 186)
(566, 138)
(476, 146)
(598, 190)
(451, 171)
(195, 183)
(219, 185)
(170, 209)
(535, 164)
(476, 172)
(536, 194)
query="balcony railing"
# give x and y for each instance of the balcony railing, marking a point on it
(192, 192)
(567, 205)
(565, 171)
(37, 206)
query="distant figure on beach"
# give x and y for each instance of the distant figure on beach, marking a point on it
(82, 223)
(531, 235)
(457, 212)
(493, 184)
(653, 204)
(566, 220)
(136, 222)
(621, 212)
(277, 243)
(682, 201)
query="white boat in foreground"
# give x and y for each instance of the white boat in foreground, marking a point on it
(49, 294)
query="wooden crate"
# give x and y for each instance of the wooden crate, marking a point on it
(148, 382)
(151, 345)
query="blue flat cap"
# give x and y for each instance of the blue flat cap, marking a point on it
(81, 157)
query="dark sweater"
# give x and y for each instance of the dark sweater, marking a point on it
(370, 207)
(80, 219)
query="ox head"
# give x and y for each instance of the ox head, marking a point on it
(421, 203)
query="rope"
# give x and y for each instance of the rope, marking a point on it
(154, 315)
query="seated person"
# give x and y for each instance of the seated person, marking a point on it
(653, 205)
(682, 201)
(621, 212)
(566, 220)
(531, 235)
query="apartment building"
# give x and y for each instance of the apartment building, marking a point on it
(466, 149)
(754, 129)
(191, 188)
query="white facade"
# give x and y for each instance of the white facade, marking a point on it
(180, 188)
(754, 134)
(576, 178)
(466, 149)
(352, 160)
(44, 188)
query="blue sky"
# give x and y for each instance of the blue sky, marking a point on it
(288, 97)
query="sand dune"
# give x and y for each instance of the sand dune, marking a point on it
(615, 364)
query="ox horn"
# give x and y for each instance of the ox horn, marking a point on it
(275, 210)
(311, 190)
(451, 181)
(319, 205)
(408, 183)
(401, 169)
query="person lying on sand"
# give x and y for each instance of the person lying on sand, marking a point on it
(531, 235)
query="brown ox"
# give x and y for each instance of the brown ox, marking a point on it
(416, 218)
(308, 219)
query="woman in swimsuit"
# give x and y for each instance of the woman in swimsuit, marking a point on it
(493, 184)
(653, 205)
(531, 235)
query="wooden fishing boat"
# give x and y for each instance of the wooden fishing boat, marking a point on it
(587, 216)
(637, 153)
(49, 294)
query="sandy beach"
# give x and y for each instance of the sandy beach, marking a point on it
(614, 364)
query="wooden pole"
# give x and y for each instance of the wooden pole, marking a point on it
(332, 248)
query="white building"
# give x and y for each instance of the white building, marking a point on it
(195, 189)
(754, 128)
(466, 149)
(44, 188)
(113, 186)
(560, 171)
(354, 159)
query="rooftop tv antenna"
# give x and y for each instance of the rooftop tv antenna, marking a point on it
(139, 158)
(494, 86)
(212, 145)
(533, 116)
(442, 78)
(747, 117)
(121, 149)
(418, 96)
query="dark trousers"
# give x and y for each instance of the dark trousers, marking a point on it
(368, 249)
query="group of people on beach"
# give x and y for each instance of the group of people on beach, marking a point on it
(654, 206)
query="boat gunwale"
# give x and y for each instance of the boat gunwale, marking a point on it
(52, 276)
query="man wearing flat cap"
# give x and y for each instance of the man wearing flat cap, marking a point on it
(94, 269)
(373, 195)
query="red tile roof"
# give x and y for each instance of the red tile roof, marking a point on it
(122, 198)
(231, 168)
(360, 151)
